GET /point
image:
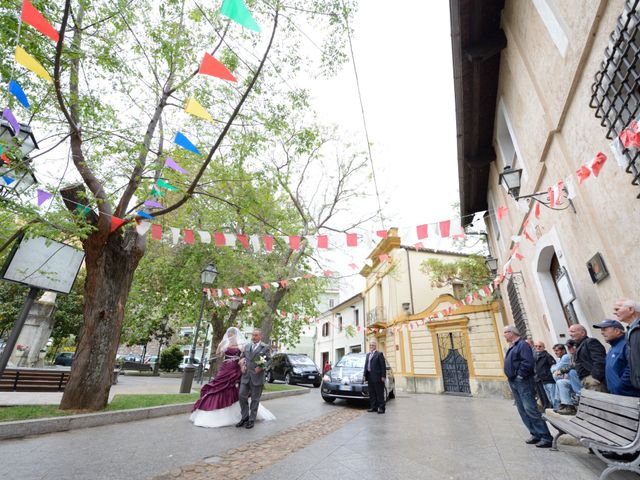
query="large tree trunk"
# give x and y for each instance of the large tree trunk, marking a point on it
(273, 299)
(110, 267)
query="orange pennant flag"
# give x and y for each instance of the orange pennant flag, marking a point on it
(116, 223)
(211, 66)
(33, 17)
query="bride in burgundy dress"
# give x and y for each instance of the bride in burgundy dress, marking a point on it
(218, 405)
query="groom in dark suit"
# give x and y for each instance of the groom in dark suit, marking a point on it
(375, 372)
(257, 356)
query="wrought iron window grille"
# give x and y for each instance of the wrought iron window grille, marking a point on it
(616, 91)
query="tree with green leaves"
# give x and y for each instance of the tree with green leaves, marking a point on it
(122, 71)
(470, 272)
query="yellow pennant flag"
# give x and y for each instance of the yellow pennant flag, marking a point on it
(197, 110)
(27, 61)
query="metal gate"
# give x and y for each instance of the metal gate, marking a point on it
(455, 371)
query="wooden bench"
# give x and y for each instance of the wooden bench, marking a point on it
(140, 367)
(607, 424)
(33, 380)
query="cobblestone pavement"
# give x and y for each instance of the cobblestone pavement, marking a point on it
(241, 463)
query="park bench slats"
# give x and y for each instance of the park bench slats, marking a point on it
(141, 367)
(607, 424)
(19, 380)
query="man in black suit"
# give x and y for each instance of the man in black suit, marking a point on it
(375, 371)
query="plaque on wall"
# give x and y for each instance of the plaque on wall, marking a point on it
(597, 269)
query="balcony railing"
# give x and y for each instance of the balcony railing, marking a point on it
(376, 315)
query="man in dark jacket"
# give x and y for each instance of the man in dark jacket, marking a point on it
(589, 359)
(518, 367)
(617, 371)
(375, 373)
(544, 378)
(627, 311)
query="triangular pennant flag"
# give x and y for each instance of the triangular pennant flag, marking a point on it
(143, 214)
(170, 163)
(4, 158)
(16, 90)
(43, 196)
(268, 243)
(7, 180)
(30, 63)
(597, 163)
(552, 198)
(143, 227)
(230, 239)
(83, 210)
(194, 108)
(323, 241)
(327, 273)
(116, 223)
(152, 204)
(211, 66)
(444, 228)
(156, 231)
(583, 173)
(156, 193)
(185, 143)
(189, 238)
(9, 117)
(423, 231)
(175, 235)
(166, 185)
(205, 237)
(382, 233)
(237, 11)
(537, 210)
(571, 189)
(353, 266)
(352, 239)
(501, 212)
(383, 258)
(33, 17)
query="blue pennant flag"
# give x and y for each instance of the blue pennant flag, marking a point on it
(16, 91)
(184, 142)
(143, 214)
(7, 180)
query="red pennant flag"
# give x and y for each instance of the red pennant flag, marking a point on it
(629, 138)
(519, 256)
(501, 212)
(188, 237)
(597, 163)
(383, 258)
(527, 236)
(353, 266)
(423, 231)
(552, 198)
(294, 242)
(244, 240)
(323, 241)
(219, 239)
(33, 17)
(268, 243)
(307, 275)
(509, 269)
(419, 246)
(445, 226)
(583, 173)
(211, 66)
(5, 159)
(352, 239)
(327, 273)
(382, 233)
(266, 285)
(236, 291)
(486, 290)
(537, 210)
(115, 223)
(284, 283)
(476, 295)
(156, 231)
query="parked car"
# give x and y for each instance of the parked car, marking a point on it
(346, 380)
(64, 359)
(152, 360)
(293, 368)
(196, 362)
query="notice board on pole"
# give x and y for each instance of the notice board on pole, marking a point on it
(43, 263)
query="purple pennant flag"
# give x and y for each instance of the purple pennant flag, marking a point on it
(152, 204)
(169, 162)
(8, 116)
(43, 196)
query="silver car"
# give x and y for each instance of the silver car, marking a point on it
(346, 380)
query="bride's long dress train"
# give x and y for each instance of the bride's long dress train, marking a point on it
(218, 405)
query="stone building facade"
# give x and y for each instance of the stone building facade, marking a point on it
(542, 86)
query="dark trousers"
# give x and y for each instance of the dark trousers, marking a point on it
(247, 390)
(376, 394)
(524, 395)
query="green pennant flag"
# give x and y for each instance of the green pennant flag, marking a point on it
(156, 193)
(237, 11)
(167, 185)
(83, 210)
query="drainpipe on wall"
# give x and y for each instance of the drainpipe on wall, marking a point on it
(410, 284)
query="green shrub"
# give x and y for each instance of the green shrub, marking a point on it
(171, 358)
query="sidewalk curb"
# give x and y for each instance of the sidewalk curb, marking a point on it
(24, 428)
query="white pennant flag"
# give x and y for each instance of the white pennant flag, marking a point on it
(229, 239)
(617, 148)
(175, 235)
(143, 227)
(255, 242)
(571, 188)
(205, 237)
(255, 288)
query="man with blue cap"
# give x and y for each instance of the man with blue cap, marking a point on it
(617, 371)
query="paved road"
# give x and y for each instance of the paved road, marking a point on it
(421, 437)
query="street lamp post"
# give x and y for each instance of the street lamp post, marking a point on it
(207, 277)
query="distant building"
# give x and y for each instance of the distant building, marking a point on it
(460, 353)
(340, 331)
